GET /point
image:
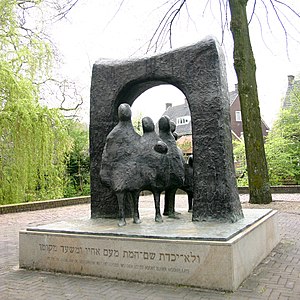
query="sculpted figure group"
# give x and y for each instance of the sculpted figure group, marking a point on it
(132, 163)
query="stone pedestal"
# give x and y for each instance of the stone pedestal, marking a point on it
(201, 254)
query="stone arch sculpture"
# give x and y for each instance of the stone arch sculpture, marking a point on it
(199, 72)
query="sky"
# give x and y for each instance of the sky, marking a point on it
(121, 29)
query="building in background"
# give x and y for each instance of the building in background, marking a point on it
(236, 116)
(180, 114)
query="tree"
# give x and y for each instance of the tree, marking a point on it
(245, 67)
(283, 144)
(244, 64)
(240, 162)
(34, 139)
(78, 161)
(137, 123)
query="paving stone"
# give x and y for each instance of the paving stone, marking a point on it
(277, 277)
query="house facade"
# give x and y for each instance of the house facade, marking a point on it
(180, 114)
(236, 116)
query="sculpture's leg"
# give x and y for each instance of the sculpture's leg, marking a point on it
(190, 199)
(158, 217)
(166, 207)
(136, 214)
(171, 201)
(121, 203)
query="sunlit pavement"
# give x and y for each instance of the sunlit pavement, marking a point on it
(277, 277)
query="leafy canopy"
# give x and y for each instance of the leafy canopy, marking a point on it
(283, 144)
(78, 161)
(34, 139)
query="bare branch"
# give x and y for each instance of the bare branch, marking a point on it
(65, 91)
(267, 14)
(166, 22)
(189, 16)
(282, 25)
(117, 11)
(177, 13)
(72, 108)
(63, 9)
(158, 28)
(253, 11)
(72, 116)
(261, 34)
(65, 88)
(287, 6)
(287, 18)
(206, 4)
(223, 7)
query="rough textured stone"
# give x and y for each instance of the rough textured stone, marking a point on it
(188, 182)
(199, 72)
(132, 163)
(176, 165)
(119, 167)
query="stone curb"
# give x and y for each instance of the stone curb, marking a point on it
(281, 189)
(38, 205)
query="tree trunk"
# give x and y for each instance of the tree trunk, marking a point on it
(244, 64)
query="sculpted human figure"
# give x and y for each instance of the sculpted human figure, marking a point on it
(118, 163)
(188, 173)
(131, 163)
(173, 130)
(188, 182)
(176, 163)
(155, 168)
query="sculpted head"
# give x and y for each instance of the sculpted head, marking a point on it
(124, 112)
(148, 125)
(164, 124)
(172, 126)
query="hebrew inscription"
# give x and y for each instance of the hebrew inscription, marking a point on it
(146, 261)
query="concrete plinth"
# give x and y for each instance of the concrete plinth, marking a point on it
(202, 254)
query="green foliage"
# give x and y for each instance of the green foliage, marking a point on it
(137, 124)
(34, 139)
(186, 145)
(283, 144)
(20, 45)
(240, 162)
(78, 161)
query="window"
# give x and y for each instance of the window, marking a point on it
(238, 116)
(183, 120)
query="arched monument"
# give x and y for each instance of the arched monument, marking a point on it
(180, 252)
(199, 72)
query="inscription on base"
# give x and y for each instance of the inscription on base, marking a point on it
(69, 254)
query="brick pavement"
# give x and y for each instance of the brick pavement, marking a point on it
(277, 277)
